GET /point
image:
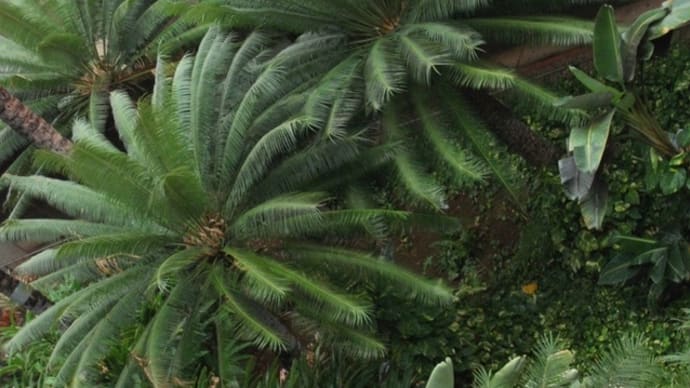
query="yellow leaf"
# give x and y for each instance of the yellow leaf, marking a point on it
(530, 288)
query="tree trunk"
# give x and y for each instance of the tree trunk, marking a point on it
(22, 294)
(35, 128)
(513, 132)
(30, 125)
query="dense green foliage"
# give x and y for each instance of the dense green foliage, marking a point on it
(189, 241)
(218, 232)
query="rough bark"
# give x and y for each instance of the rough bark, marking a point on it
(513, 132)
(35, 128)
(22, 294)
(30, 125)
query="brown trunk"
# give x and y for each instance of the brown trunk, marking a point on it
(35, 128)
(30, 125)
(513, 132)
(22, 294)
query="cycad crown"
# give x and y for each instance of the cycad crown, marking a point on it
(200, 232)
(63, 57)
(364, 53)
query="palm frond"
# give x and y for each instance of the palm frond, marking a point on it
(482, 143)
(277, 215)
(417, 287)
(417, 182)
(550, 30)
(50, 230)
(165, 332)
(434, 10)
(550, 366)
(422, 58)
(461, 42)
(464, 166)
(629, 363)
(384, 73)
(252, 322)
(481, 76)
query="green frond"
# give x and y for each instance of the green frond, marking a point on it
(50, 230)
(464, 166)
(253, 323)
(79, 329)
(73, 199)
(229, 353)
(213, 59)
(104, 334)
(38, 327)
(418, 183)
(10, 143)
(481, 76)
(421, 289)
(278, 141)
(126, 120)
(628, 363)
(120, 178)
(550, 365)
(356, 343)
(20, 27)
(69, 366)
(394, 219)
(99, 110)
(507, 376)
(181, 91)
(241, 71)
(384, 73)
(304, 168)
(341, 307)
(337, 98)
(176, 264)
(166, 332)
(82, 130)
(39, 264)
(482, 143)
(112, 287)
(81, 271)
(534, 30)
(268, 83)
(545, 102)
(423, 58)
(461, 42)
(161, 85)
(134, 371)
(133, 243)
(359, 199)
(434, 10)
(285, 16)
(275, 216)
(259, 282)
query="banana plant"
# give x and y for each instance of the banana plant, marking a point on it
(612, 93)
(667, 259)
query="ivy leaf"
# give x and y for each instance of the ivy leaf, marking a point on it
(672, 180)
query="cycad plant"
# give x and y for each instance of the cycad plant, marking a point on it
(364, 53)
(201, 234)
(63, 57)
(627, 362)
